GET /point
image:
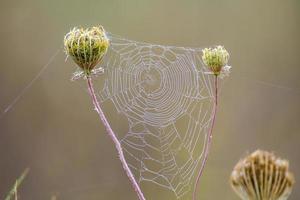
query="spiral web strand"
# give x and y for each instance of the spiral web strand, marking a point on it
(167, 98)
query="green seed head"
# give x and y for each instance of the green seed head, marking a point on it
(86, 46)
(215, 58)
(262, 176)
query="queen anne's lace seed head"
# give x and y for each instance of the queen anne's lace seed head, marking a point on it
(215, 58)
(262, 176)
(86, 46)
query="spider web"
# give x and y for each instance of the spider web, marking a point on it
(166, 97)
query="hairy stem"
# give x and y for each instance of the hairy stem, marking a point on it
(209, 137)
(114, 139)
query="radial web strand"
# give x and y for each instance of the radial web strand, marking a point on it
(167, 99)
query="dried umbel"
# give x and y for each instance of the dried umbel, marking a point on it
(262, 176)
(86, 46)
(215, 59)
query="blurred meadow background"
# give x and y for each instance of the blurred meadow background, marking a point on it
(54, 130)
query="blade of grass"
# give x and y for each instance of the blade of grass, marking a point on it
(13, 191)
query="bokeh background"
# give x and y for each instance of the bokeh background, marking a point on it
(54, 131)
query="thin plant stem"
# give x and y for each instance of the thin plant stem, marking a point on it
(209, 137)
(114, 139)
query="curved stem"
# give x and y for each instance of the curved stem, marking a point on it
(114, 139)
(209, 137)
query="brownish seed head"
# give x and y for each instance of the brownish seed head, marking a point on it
(262, 176)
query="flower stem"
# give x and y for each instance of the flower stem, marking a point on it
(114, 139)
(209, 136)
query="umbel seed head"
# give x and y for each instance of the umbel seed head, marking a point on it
(262, 176)
(86, 46)
(215, 58)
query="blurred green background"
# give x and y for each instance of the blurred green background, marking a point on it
(54, 130)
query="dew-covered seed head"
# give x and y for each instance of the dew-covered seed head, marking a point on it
(86, 46)
(262, 176)
(215, 58)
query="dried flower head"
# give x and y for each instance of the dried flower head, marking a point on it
(86, 46)
(262, 176)
(215, 58)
